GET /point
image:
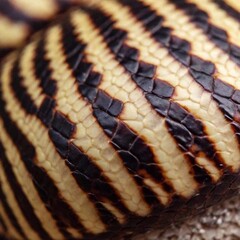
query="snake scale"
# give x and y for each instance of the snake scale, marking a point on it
(118, 117)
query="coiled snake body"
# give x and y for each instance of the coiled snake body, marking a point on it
(118, 117)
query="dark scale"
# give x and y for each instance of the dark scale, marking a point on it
(131, 148)
(179, 48)
(194, 132)
(92, 182)
(225, 96)
(20, 90)
(12, 12)
(159, 93)
(106, 110)
(202, 72)
(14, 185)
(27, 153)
(205, 80)
(40, 178)
(61, 212)
(46, 110)
(42, 71)
(60, 138)
(199, 65)
(214, 33)
(3, 225)
(61, 129)
(222, 89)
(61, 124)
(228, 9)
(163, 35)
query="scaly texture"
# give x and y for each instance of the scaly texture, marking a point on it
(118, 118)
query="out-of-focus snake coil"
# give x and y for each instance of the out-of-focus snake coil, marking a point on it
(118, 117)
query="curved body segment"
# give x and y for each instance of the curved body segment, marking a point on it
(119, 117)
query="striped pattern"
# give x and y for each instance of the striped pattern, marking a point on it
(20, 18)
(120, 114)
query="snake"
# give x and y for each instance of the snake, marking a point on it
(117, 116)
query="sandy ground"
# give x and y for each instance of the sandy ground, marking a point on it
(218, 223)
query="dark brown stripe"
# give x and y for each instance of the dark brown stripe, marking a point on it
(14, 184)
(228, 9)
(4, 52)
(60, 131)
(64, 4)
(16, 15)
(45, 187)
(202, 71)
(20, 90)
(186, 130)
(3, 226)
(135, 154)
(20, 197)
(215, 34)
(42, 71)
(59, 209)
(88, 176)
(3, 237)
(225, 95)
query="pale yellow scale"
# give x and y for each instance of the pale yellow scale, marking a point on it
(28, 188)
(6, 188)
(12, 33)
(137, 112)
(15, 32)
(227, 23)
(43, 9)
(89, 135)
(8, 223)
(30, 82)
(46, 154)
(226, 69)
(187, 92)
(234, 4)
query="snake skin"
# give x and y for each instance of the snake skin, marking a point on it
(119, 117)
(20, 18)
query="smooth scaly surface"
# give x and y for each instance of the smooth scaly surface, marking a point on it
(120, 117)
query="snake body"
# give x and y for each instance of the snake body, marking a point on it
(119, 117)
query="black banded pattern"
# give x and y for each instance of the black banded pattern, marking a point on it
(20, 19)
(215, 34)
(8, 9)
(21, 198)
(106, 111)
(40, 178)
(113, 116)
(9, 211)
(228, 9)
(3, 225)
(59, 137)
(186, 130)
(202, 71)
